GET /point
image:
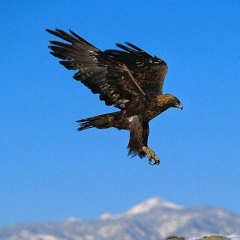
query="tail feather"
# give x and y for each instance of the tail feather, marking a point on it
(101, 122)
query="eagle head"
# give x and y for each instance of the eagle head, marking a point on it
(167, 100)
(177, 103)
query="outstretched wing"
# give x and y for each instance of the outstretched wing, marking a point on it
(148, 71)
(97, 70)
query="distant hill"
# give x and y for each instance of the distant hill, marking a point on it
(154, 219)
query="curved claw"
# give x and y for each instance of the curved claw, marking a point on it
(154, 161)
(152, 158)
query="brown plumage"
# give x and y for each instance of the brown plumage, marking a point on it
(129, 79)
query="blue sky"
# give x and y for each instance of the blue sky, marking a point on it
(50, 172)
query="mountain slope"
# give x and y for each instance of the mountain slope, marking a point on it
(151, 220)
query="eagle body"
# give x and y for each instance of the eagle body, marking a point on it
(129, 79)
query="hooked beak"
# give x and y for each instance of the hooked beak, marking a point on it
(179, 106)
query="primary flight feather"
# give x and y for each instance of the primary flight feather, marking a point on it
(129, 79)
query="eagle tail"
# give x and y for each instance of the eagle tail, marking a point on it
(101, 122)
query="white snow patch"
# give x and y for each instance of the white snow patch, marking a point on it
(151, 204)
(234, 236)
(73, 220)
(106, 216)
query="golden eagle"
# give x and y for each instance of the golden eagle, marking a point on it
(129, 79)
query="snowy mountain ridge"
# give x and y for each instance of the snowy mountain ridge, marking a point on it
(151, 204)
(154, 219)
(143, 207)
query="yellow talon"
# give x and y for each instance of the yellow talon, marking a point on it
(152, 158)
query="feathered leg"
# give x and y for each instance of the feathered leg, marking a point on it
(135, 144)
(138, 142)
(151, 155)
(145, 134)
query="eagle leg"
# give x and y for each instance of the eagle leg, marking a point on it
(152, 158)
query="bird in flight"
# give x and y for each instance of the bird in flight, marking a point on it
(130, 79)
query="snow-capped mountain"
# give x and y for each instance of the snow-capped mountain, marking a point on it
(153, 219)
(144, 207)
(152, 204)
